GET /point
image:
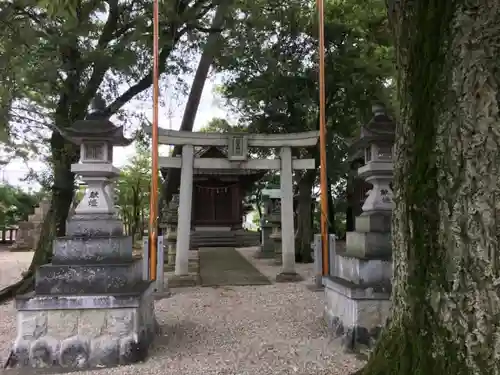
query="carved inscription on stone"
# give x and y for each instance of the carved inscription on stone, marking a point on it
(93, 198)
(237, 147)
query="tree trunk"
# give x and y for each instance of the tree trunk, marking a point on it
(136, 212)
(172, 176)
(54, 224)
(64, 154)
(331, 209)
(304, 232)
(445, 230)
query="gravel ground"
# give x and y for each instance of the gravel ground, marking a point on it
(275, 329)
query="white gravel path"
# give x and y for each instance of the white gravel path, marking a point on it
(275, 329)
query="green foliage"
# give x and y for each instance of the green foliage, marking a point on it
(57, 56)
(133, 191)
(15, 205)
(274, 73)
(220, 125)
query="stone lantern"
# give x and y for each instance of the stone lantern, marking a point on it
(269, 197)
(96, 139)
(276, 235)
(357, 292)
(377, 140)
(171, 219)
(90, 307)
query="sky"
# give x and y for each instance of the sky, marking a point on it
(170, 117)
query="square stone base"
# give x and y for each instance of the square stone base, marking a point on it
(175, 281)
(81, 332)
(361, 271)
(368, 245)
(264, 253)
(355, 314)
(20, 248)
(287, 277)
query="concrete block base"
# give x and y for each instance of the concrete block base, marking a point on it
(355, 314)
(368, 245)
(264, 254)
(183, 281)
(362, 271)
(169, 267)
(19, 248)
(82, 332)
(285, 277)
(373, 222)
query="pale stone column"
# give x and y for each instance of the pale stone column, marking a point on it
(287, 228)
(185, 204)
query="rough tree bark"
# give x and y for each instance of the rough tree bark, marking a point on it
(331, 208)
(445, 297)
(304, 229)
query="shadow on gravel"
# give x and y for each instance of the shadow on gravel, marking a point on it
(172, 338)
(177, 337)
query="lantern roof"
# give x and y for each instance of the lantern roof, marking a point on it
(95, 128)
(380, 129)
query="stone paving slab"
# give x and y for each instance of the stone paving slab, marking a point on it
(224, 266)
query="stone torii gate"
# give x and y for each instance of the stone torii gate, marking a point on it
(237, 145)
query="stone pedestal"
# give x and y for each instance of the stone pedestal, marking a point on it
(90, 307)
(170, 226)
(275, 236)
(267, 246)
(357, 292)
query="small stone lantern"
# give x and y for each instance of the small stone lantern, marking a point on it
(275, 220)
(269, 197)
(96, 138)
(171, 231)
(377, 141)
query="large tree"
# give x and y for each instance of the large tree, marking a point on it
(55, 61)
(446, 301)
(274, 80)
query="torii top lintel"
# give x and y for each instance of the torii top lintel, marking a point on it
(175, 137)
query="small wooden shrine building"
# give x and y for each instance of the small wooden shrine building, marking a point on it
(218, 194)
(218, 209)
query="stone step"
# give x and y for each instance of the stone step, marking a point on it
(87, 278)
(238, 238)
(94, 225)
(84, 250)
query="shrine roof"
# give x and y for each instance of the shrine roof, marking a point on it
(211, 151)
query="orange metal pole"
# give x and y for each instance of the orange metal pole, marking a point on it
(322, 138)
(153, 201)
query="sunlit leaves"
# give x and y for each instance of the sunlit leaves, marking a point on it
(15, 205)
(133, 189)
(60, 8)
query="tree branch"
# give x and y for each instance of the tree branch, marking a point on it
(147, 80)
(101, 66)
